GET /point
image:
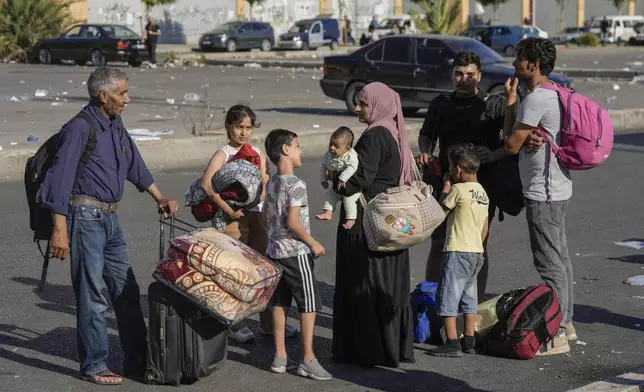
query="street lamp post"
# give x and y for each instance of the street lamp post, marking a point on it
(533, 11)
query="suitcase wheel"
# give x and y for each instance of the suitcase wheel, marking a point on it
(153, 376)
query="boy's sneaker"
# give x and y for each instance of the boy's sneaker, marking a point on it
(281, 365)
(290, 331)
(313, 370)
(558, 345)
(469, 344)
(451, 349)
(571, 332)
(242, 335)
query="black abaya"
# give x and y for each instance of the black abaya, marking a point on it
(372, 319)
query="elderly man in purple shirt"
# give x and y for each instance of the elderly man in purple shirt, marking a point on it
(87, 226)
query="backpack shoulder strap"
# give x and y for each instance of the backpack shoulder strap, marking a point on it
(91, 143)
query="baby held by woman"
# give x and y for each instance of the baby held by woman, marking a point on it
(341, 162)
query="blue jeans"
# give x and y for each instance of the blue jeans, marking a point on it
(99, 254)
(457, 288)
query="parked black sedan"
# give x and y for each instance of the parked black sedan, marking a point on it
(98, 43)
(418, 67)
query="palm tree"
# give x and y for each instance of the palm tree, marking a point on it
(251, 5)
(23, 23)
(149, 4)
(562, 10)
(618, 5)
(442, 15)
(495, 5)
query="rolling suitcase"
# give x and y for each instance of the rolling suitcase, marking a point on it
(184, 343)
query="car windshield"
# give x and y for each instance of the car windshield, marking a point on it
(300, 27)
(119, 32)
(226, 27)
(488, 56)
(388, 24)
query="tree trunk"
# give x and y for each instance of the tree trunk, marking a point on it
(562, 9)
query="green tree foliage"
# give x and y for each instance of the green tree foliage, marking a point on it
(441, 15)
(149, 4)
(23, 23)
(495, 5)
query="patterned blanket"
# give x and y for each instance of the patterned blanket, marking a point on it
(238, 182)
(233, 265)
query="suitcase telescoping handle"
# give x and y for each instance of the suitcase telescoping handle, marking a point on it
(173, 223)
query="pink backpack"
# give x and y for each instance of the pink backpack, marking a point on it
(586, 130)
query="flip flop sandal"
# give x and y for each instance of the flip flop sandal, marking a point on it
(105, 373)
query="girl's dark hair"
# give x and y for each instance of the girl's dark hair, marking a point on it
(236, 114)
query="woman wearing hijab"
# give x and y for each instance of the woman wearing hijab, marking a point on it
(372, 319)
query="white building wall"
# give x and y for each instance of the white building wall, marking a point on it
(186, 20)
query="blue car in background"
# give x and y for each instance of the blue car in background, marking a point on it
(502, 38)
(233, 36)
(311, 34)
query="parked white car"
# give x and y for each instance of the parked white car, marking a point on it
(569, 35)
(389, 25)
(620, 28)
(536, 29)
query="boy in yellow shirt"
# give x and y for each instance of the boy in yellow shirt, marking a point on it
(467, 226)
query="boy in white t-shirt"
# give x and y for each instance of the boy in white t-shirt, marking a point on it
(547, 185)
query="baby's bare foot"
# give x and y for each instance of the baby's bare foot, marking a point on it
(326, 215)
(349, 223)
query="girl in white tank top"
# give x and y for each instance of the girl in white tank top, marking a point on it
(248, 226)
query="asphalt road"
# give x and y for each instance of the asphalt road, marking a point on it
(282, 98)
(37, 330)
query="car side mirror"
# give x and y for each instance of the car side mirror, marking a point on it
(449, 62)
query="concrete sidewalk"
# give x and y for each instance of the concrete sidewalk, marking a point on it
(189, 152)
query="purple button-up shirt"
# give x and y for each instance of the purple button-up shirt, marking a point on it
(114, 160)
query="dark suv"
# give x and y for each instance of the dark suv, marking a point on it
(233, 36)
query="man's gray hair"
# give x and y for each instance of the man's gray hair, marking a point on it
(102, 78)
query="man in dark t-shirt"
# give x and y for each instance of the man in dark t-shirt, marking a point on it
(152, 33)
(466, 115)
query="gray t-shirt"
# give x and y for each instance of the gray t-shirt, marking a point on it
(282, 192)
(542, 173)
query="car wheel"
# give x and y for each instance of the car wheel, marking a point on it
(266, 45)
(632, 41)
(334, 45)
(231, 46)
(98, 59)
(80, 62)
(134, 63)
(351, 96)
(510, 51)
(44, 56)
(409, 112)
(305, 45)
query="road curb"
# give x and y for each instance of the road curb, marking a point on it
(185, 153)
(628, 382)
(311, 64)
(188, 153)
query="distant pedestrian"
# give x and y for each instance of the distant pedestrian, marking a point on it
(87, 226)
(603, 27)
(152, 34)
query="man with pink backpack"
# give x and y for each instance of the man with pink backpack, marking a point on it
(577, 135)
